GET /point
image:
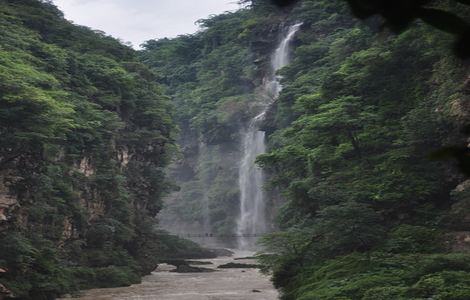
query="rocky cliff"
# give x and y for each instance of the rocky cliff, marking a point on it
(85, 134)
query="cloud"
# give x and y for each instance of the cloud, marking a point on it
(137, 21)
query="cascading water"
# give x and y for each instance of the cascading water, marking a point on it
(205, 197)
(252, 219)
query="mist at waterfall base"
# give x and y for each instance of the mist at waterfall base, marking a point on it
(252, 221)
(252, 217)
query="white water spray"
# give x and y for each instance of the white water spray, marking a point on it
(206, 220)
(252, 220)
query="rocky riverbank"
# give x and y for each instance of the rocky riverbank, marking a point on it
(221, 284)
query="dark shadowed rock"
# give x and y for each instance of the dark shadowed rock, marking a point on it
(198, 263)
(244, 258)
(222, 252)
(239, 266)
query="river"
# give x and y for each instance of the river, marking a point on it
(224, 284)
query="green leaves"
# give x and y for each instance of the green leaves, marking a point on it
(84, 135)
(414, 239)
(347, 227)
(399, 15)
(353, 128)
(33, 107)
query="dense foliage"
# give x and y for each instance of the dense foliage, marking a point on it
(367, 213)
(86, 133)
(85, 136)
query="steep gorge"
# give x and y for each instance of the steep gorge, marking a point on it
(360, 209)
(215, 107)
(85, 135)
(350, 140)
(253, 219)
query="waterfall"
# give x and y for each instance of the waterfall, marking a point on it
(206, 227)
(252, 220)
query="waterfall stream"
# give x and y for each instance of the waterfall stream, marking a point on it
(206, 221)
(252, 220)
(245, 283)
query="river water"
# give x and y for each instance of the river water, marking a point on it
(224, 284)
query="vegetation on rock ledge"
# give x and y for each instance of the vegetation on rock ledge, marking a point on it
(85, 136)
(87, 131)
(366, 214)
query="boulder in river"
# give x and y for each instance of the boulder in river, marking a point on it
(232, 265)
(221, 252)
(191, 269)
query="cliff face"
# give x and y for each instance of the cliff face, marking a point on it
(350, 140)
(85, 133)
(7, 200)
(214, 78)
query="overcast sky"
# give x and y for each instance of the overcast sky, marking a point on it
(137, 21)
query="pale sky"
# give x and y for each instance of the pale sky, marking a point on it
(137, 21)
